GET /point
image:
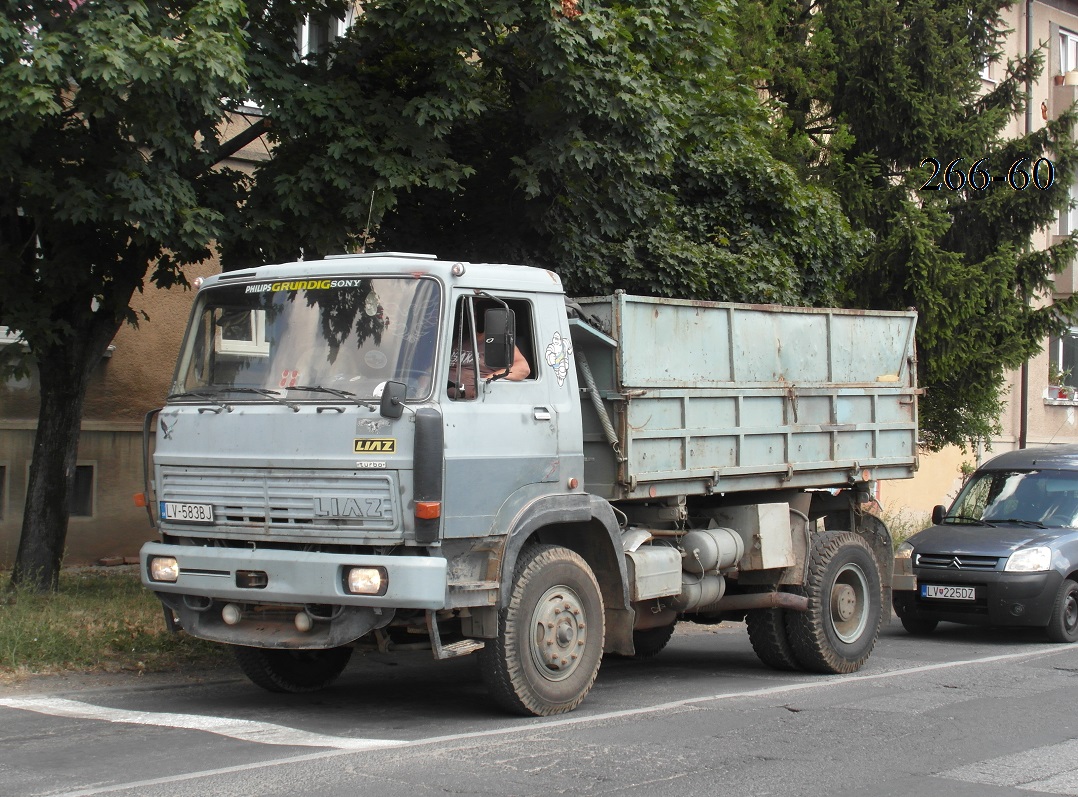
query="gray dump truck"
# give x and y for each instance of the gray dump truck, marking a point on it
(388, 449)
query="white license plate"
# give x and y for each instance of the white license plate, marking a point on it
(948, 593)
(188, 513)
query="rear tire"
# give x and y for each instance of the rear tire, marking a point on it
(1063, 626)
(550, 636)
(838, 631)
(292, 671)
(651, 641)
(770, 638)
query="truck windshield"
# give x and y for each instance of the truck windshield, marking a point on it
(1038, 498)
(310, 339)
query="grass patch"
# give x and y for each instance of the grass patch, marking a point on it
(101, 620)
(903, 523)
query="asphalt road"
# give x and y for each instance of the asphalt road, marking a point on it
(965, 712)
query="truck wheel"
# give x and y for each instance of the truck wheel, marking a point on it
(292, 670)
(1063, 626)
(838, 631)
(550, 636)
(651, 641)
(770, 638)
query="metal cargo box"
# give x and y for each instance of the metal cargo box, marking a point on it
(704, 397)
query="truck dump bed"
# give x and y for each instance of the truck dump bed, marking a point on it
(709, 397)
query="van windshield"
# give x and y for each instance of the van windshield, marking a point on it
(310, 338)
(1036, 498)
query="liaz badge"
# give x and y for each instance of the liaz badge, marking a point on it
(376, 445)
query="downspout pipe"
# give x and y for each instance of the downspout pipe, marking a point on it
(1023, 400)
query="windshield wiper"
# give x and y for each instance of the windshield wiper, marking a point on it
(210, 397)
(1020, 521)
(964, 519)
(333, 392)
(261, 391)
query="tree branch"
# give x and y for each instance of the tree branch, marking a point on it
(239, 141)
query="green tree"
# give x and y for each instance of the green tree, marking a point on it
(109, 118)
(862, 93)
(608, 141)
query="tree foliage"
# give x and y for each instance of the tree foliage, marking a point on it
(862, 93)
(609, 141)
(109, 117)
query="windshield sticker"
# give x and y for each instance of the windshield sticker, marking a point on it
(558, 352)
(302, 285)
(376, 445)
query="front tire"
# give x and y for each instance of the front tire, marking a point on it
(838, 631)
(292, 671)
(550, 637)
(918, 626)
(1063, 625)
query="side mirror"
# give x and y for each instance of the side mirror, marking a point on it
(499, 337)
(392, 402)
(938, 512)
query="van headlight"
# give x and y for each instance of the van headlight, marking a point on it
(1030, 560)
(904, 551)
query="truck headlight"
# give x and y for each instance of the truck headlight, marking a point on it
(904, 551)
(164, 568)
(366, 580)
(1029, 560)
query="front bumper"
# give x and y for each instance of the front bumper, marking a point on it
(1002, 598)
(305, 586)
(297, 577)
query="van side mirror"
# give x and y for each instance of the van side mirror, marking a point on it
(392, 402)
(499, 337)
(938, 511)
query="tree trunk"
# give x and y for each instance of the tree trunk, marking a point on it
(64, 372)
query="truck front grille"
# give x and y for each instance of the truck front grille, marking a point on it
(288, 503)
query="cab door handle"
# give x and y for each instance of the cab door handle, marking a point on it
(541, 414)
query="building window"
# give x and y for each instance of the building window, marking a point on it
(1068, 51)
(80, 503)
(242, 332)
(1063, 356)
(1068, 216)
(9, 336)
(319, 31)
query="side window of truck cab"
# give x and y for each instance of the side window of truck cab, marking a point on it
(468, 364)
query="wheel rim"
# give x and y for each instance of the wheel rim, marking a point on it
(849, 603)
(559, 633)
(1070, 613)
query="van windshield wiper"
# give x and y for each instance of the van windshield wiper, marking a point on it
(1020, 522)
(965, 519)
(333, 392)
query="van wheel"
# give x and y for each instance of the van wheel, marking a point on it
(838, 631)
(550, 636)
(918, 626)
(292, 670)
(1063, 626)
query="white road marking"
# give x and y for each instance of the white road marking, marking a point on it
(541, 725)
(246, 730)
(1048, 769)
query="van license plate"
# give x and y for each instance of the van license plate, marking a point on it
(948, 593)
(188, 513)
